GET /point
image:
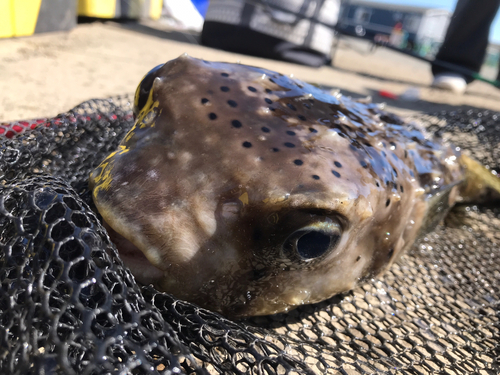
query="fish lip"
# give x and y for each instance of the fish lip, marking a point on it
(133, 258)
(246, 310)
(258, 305)
(142, 269)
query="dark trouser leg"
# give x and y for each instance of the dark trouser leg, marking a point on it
(467, 36)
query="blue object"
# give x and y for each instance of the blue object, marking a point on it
(201, 6)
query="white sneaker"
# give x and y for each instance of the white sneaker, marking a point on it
(450, 81)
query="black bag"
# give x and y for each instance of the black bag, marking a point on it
(299, 31)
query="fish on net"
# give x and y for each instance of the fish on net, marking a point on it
(69, 306)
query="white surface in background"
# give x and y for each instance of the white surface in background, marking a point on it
(182, 15)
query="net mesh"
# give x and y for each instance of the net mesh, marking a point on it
(68, 306)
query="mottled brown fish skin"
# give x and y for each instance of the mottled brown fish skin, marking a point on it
(251, 193)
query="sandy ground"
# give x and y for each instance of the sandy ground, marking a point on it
(46, 74)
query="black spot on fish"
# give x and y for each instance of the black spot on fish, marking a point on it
(257, 234)
(291, 106)
(364, 164)
(298, 162)
(269, 91)
(265, 130)
(247, 144)
(236, 123)
(204, 101)
(271, 80)
(387, 202)
(301, 117)
(289, 132)
(224, 74)
(212, 116)
(356, 144)
(224, 88)
(289, 145)
(395, 172)
(268, 101)
(275, 149)
(259, 274)
(336, 174)
(232, 103)
(376, 183)
(312, 130)
(252, 89)
(390, 253)
(358, 258)
(307, 105)
(337, 164)
(315, 176)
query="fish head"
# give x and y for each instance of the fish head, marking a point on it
(250, 193)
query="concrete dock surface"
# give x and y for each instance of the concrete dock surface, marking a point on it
(46, 74)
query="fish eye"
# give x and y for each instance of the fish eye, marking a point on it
(142, 92)
(313, 241)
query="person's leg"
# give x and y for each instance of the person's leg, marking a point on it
(467, 36)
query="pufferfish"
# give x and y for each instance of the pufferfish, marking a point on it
(249, 193)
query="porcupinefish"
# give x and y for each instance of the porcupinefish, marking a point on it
(249, 193)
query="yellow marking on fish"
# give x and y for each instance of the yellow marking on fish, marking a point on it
(137, 90)
(104, 179)
(244, 198)
(149, 105)
(273, 218)
(136, 95)
(147, 116)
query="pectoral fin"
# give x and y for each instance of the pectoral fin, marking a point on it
(480, 184)
(438, 205)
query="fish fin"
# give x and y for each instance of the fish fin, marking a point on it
(438, 205)
(480, 184)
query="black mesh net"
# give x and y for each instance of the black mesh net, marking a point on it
(68, 306)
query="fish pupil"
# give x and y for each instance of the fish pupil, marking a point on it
(314, 244)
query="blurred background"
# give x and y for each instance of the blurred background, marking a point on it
(57, 53)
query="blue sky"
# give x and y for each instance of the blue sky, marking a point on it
(450, 5)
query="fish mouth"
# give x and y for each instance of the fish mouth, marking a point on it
(133, 258)
(261, 307)
(261, 299)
